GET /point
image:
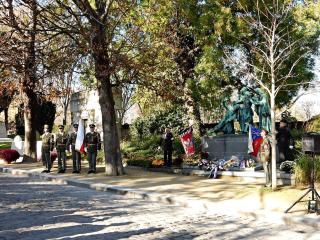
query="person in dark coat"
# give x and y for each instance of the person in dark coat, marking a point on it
(167, 140)
(284, 141)
(76, 156)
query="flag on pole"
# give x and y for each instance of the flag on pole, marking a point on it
(254, 140)
(80, 137)
(187, 141)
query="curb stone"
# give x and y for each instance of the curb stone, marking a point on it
(275, 217)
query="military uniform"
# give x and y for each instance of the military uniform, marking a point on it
(264, 157)
(61, 143)
(76, 156)
(47, 147)
(93, 144)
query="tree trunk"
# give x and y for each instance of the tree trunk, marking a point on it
(30, 139)
(28, 88)
(111, 143)
(273, 138)
(65, 112)
(6, 119)
(193, 111)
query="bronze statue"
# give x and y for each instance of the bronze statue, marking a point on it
(245, 113)
(242, 111)
(262, 108)
(226, 125)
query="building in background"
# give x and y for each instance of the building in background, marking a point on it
(87, 103)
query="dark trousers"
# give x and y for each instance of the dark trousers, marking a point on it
(267, 172)
(62, 160)
(76, 159)
(92, 159)
(167, 151)
(46, 158)
(283, 153)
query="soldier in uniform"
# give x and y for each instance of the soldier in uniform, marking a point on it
(61, 143)
(93, 144)
(47, 147)
(76, 156)
(264, 156)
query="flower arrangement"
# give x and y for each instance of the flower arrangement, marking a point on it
(157, 163)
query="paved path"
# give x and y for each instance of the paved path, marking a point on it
(227, 190)
(35, 210)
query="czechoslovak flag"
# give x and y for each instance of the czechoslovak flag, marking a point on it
(187, 141)
(254, 141)
(80, 137)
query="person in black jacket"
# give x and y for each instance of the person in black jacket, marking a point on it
(167, 140)
(284, 141)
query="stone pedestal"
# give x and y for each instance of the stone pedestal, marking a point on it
(226, 146)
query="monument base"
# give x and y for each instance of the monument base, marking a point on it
(226, 146)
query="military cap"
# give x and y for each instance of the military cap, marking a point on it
(61, 127)
(75, 125)
(46, 126)
(92, 125)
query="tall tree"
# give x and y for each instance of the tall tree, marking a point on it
(279, 39)
(19, 20)
(98, 26)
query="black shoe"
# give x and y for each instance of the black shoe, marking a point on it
(74, 171)
(94, 171)
(45, 171)
(61, 171)
(90, 171)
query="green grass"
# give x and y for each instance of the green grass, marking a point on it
(5, 145)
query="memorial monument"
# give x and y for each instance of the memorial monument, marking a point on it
(229, 143)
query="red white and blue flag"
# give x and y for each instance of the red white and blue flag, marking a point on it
(254, 141)
(187, 141)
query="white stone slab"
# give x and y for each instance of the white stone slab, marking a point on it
(18, 145)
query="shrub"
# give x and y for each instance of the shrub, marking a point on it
(157, 163)
(303, 168)
(287, 166)
(140, 163)
(9, 155)
(155, 123)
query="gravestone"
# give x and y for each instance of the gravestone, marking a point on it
(3, 131)
(226, 146)
(17, 144)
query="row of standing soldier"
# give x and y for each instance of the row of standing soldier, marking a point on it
(62, 141)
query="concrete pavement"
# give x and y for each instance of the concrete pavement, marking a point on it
(35, 209)
(228, 193)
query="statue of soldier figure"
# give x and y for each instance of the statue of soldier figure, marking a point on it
(47, 147)
(61, 144)
(76, 156)
(226, 125)
(242, 111)
(262, 108)
(245, 113)
(93, 144)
